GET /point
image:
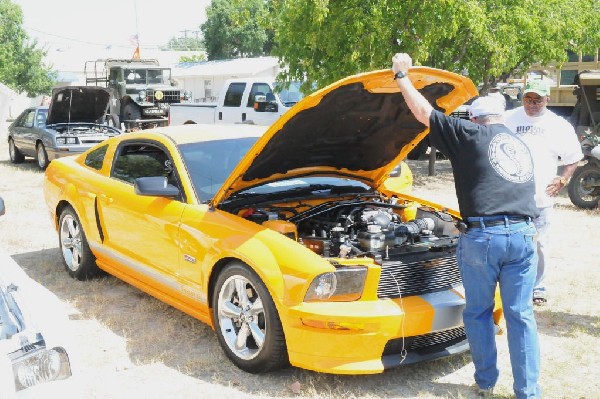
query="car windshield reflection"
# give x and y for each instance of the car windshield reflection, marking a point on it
(211, 162)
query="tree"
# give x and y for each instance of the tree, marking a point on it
(235, 28)
(193, 58)
(185, 44)
(21, 66)
(322, 41)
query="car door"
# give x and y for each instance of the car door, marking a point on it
(23, 132)
(141, 232)
(231, 109)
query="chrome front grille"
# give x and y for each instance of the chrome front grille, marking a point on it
(418, 274)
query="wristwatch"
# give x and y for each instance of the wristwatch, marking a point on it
(563, 180)
(400, 75)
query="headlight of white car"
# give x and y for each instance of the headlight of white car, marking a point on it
(66, 140)
(343, 285)
(39, 366)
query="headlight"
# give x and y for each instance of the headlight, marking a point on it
(66, 140)
(41, 366)
(142, 95)
(343, 285)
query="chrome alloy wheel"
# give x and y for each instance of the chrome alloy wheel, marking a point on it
(241, 317)
(41, 156)
(70, 242)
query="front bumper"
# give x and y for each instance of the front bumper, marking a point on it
(366, 337)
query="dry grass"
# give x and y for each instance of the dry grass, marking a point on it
(125, 344)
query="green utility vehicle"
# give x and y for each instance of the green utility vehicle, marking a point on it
(143, 90)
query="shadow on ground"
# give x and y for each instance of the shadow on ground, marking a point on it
(155, 332)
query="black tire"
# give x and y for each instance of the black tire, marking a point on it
(42, 156)
(77, 257)
(15, 155)
(581, 191)
(257, 329)
(131, 112)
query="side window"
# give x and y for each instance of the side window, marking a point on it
(258, 89)
(95, 159)
(141, 160)
(567, 76)
(233, 96)
(40, 119)
(28, 119)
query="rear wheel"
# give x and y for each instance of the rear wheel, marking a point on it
(15, 155)
(246, 321)
(79, 261)
(584, 187)
(42, 156)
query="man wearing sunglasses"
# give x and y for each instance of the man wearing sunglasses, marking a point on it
(549, 137)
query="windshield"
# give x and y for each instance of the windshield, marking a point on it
(289, 93)
(147, 76)
(209, 163)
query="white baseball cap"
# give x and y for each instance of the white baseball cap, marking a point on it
(486, 106)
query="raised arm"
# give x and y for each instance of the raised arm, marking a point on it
(419, 106)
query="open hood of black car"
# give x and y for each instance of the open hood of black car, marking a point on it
(78, 104)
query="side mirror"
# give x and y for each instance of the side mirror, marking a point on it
(157, 186)
(264, 104)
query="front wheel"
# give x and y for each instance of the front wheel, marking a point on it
(79, 261)
(131, 112)
(584, 187)
(246, 321)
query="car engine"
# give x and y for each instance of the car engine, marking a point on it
(417, 256)
(357, 228)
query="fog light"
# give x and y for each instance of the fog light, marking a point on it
(333, 325)
(41, 366)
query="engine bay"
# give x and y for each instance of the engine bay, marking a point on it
(359, 227)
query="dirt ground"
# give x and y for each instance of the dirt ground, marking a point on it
(126, 344)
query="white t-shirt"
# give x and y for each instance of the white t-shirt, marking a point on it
(548, 137)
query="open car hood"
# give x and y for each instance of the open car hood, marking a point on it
(359, 127)
(78, 104)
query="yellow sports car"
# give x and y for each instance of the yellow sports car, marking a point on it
(283, 238)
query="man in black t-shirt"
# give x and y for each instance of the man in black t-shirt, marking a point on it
(493, 177)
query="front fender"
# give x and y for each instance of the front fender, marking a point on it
(285, 266)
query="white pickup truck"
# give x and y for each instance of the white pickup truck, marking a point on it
(258, 101)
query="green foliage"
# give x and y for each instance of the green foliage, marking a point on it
(21, 66)
(235, 28)
(185, 44)
(193, 58)
(325, 40)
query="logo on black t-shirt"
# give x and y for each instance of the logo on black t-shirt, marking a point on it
(510, 158)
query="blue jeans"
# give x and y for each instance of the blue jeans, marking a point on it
(542, 225)
(503, 254)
